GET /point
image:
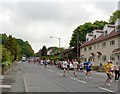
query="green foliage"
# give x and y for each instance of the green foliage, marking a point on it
(55, 50)
(10, 45)
(52, 57)
(44, 51)
(114, 17)
(6, 54)
(3, 37)
(82, 30)
(13, 49)
(25, 48)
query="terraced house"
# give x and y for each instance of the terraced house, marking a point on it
(102, 45)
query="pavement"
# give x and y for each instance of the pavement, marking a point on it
(27, 77)
(13, 80)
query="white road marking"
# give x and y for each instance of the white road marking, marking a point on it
(105, 89)
(78, 80)
(60, 73)
(5, 86)
(51, 70)
(26, 90)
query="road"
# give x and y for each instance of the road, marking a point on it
(36, 78)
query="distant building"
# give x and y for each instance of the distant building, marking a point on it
(102, 45)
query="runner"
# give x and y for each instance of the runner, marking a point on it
(112, 71)
(88, 66)
(64, 67)
(45, 63)
(81, 67)
(117, 71)
(108, 72)
(68, 65)
(75, 64)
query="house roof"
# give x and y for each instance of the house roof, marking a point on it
(116, 50)
(101, 38)
(100, 31)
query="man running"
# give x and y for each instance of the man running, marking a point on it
(75, 64)
(88, 66)
(117, 71)
(81, 67)
(108, 72)
(64, 67)
(46, 63)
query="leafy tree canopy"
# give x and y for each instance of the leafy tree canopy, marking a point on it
(114, 17)
(82, 30)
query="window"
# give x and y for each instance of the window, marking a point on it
(85, 49)
(106, 32)
(112, 42)
(94, 46)
(104, 58)
(118, 27)
(90, 48)
(112, 58)
(85, 59)
(94, 36)
(87, 39)
(118, 57)
(97, 46)
(103, 44)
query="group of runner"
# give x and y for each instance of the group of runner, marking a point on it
(66, 66)
(112, 69)
(76, 66)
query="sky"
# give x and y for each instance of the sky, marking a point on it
(36, 20)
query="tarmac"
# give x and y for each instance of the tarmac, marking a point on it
(12, 80)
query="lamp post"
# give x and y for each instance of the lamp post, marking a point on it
(78, 53)
(59, 43)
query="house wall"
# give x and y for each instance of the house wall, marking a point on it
(105, 50)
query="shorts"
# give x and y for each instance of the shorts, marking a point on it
(109, 75)
(81, 68)
(88, 70)
(112, 71)
(64, 68)
(68, 66)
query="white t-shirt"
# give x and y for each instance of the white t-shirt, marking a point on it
(65, 64)
(117, 67)
(75, 64)
(81, 65)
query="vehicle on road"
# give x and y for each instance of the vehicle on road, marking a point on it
(23, 59)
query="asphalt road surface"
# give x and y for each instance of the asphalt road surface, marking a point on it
(37, 78)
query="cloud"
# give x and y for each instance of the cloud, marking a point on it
(37, 21)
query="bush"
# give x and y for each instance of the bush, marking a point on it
(98, 68)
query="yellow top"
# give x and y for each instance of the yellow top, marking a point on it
(108, 68)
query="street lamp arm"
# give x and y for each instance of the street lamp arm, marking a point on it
(54, 37)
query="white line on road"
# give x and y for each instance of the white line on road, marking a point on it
(5, 86)
(106, 89)
(51, 70)
(78, 80)
(26, 90)
(60, 73)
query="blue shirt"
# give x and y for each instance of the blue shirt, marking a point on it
(88, 65)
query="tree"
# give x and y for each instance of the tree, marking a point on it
(82, 30)
(44, 51)
(25, 48)
(114, 17)
(11, 45)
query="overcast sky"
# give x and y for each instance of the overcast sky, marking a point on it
(36, 21)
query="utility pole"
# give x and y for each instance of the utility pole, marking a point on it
(77, 45)
(59, 44)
